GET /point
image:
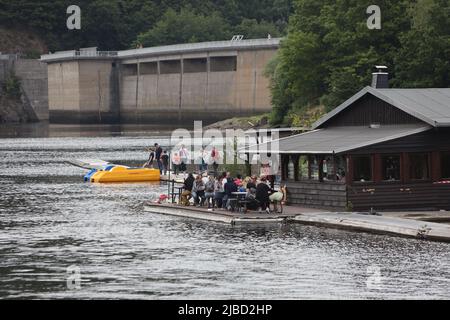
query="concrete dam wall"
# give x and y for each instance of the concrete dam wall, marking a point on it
(163, 85)
(32, 75)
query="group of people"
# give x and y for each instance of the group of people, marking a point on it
(221, 192)
(160, 156)
(181, 157)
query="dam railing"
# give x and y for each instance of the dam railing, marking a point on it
(79, 54)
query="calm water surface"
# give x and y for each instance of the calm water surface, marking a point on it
(50, 220)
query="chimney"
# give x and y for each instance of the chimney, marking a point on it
(380, 79)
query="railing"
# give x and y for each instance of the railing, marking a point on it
(79, 54)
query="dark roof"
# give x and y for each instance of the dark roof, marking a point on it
(432, 106)
(337, 139)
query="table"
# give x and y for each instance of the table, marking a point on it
(240, 199)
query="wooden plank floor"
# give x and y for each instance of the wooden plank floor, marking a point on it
(388, 224)
(219, 215)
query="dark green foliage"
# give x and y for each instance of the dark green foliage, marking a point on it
(120, 24)
(11, 86)
(329, 52)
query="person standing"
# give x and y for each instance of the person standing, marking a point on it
(165, 161)
(184, 156)
(158, 152)
(215, 160)
(200, 160)
(151, 157)
(176, 160)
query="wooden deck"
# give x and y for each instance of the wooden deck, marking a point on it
(389, 223)
(218, 215)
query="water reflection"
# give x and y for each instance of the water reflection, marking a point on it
(46, 130)
(50, 220)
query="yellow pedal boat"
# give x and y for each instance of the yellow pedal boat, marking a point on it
(125, 174)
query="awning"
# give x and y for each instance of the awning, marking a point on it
(336, 139)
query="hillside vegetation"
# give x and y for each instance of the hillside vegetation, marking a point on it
(329, 52)
(122, 24)
(21, 41)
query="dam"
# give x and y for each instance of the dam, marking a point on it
(173, 84)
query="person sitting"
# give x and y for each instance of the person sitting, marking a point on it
(250, 198)
(229, 188)
(251, 184)
(209, 192)
(219, 192)
(262, 194)
(238, 181)
(187, 190)
(198, 191)
(277, 198)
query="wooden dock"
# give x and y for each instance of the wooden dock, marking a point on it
(392, 225)
(379, 224)
(218, 215)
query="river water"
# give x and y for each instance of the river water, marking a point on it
(52, 223)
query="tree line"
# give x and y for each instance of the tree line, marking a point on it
(329, 52)
(123, 24)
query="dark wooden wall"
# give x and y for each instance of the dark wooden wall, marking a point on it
(399, 196)
(331, 195)
(368, 110)
(432, 140)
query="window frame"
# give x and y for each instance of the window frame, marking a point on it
(354, 158)
(400, 163)
(442, 164)
(429, 171)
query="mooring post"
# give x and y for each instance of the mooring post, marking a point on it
(173, 191)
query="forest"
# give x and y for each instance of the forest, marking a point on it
(123, 24)
(327, 52)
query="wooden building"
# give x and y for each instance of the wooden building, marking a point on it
(381, 149)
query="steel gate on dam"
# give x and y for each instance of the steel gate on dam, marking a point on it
(174, 84)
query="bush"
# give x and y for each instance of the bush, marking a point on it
(11, 87)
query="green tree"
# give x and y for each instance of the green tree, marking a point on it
(423, 60)
(185, 26)
(329, 52)
(252, 29)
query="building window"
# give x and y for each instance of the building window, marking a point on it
(419, 168)
(129, 69)
(445, 165)
(362, 168)
(220, 64)
(303, 168)
(291, 169)
(390, 166)
(148, 68)
(194, 65)
(314, 168)
(170, 66)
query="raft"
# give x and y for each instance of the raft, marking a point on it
(123, 174)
